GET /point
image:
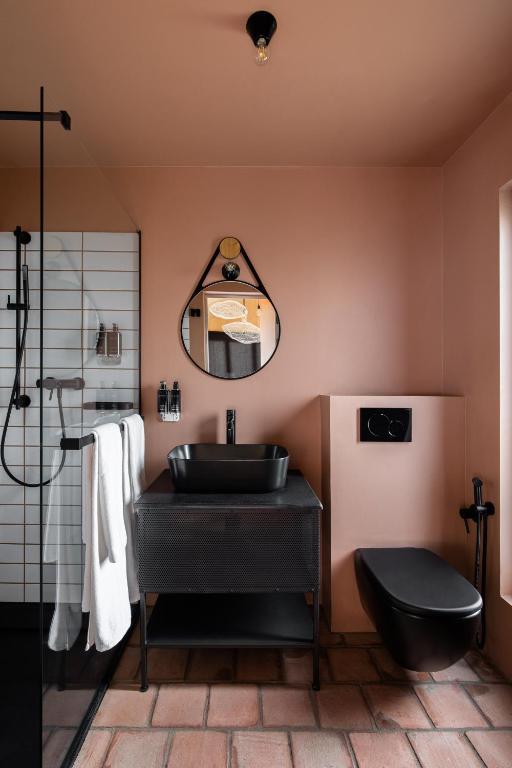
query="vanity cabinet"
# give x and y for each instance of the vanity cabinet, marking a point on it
(230, 570)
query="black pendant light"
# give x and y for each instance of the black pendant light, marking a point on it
(260, 26)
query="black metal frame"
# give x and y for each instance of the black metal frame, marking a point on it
(41, 434)
(139, 235)
(41, 117)
(259, 284)
(223, 378)
(161, 528)
(61, 117)
(201, 286)
(144, 644)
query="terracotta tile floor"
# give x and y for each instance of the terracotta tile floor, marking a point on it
(255, 709)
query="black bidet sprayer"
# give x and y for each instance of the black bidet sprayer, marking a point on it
(479, 513)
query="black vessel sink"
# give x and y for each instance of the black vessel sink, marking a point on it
(214, 468)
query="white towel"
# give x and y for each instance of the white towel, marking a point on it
(105, 594)
(134, 482)
(58, 543)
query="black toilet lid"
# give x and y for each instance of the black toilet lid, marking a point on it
(420, 582)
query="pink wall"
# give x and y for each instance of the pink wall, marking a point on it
(352, 258)
(74, 197)
(473, 178)
(388, 495)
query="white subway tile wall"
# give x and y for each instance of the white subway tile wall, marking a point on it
(89, 278)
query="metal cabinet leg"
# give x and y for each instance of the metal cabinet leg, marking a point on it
(143, 644)
(316, 641)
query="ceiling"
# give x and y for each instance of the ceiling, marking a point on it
(173, 82)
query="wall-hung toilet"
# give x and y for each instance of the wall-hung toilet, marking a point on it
(426, 612)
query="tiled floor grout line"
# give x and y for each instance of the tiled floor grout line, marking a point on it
(344, 737)
(409, 741)
(260, 705)
(153, 705)
(477, 673)
(290, 749)
(168, 747)
(229, 748)
(422, 705)
(478, 707)
(374, 665)
(109, 744)
(351, 750)
(296, 728)
(113, 732)
(368, 707)
(314, 705)
(207, 705)
(474, 749)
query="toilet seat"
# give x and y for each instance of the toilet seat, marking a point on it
(419, 582)
(425, 611)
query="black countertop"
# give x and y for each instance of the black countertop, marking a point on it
(297, 493)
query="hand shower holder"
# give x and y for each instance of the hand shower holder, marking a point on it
(20, 306)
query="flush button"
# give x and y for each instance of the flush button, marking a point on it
(385, 425)
(378, 424)
(396, 428)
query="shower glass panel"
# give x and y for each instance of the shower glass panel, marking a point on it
(70, 282)
(90, 285)
(20, 668)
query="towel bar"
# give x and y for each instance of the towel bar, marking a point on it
(77, 443)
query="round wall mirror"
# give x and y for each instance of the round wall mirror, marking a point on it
(230, 329)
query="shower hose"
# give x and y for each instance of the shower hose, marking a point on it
(479, 513)
(481, 572)
(12, 399)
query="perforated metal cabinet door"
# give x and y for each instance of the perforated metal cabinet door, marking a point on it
(228, 550)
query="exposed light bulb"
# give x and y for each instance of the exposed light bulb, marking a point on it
(262, 52)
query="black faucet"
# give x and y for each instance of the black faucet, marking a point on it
(230, 426)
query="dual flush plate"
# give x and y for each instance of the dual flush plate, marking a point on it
(385, 425)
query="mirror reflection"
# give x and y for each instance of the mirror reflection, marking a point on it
(230, 329)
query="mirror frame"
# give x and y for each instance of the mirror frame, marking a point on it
(233, 282)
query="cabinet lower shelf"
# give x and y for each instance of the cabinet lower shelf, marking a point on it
(231, 620)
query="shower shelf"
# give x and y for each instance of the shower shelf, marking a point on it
(113, 405)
